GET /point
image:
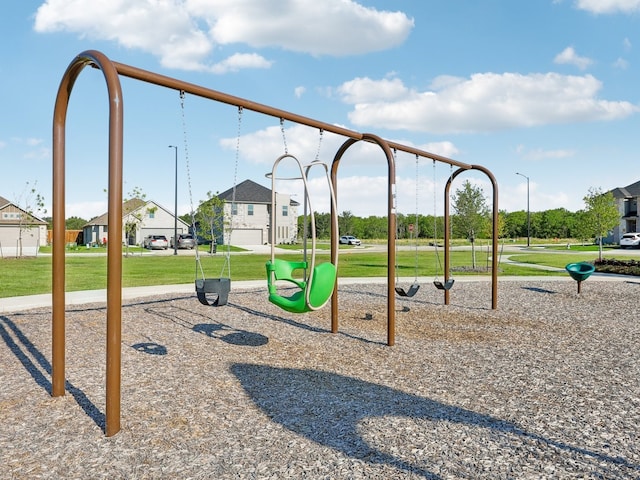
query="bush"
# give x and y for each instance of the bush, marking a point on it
(621, 267)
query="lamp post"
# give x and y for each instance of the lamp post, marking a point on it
(175, 206)
(528, 212)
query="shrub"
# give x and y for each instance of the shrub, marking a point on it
(622, 267)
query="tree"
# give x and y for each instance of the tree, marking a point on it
(33, 204)
(601, 214)
(345, 222)
(210, 218)
(75, 223)
(581, 229)
(134, 217)
(472, 214)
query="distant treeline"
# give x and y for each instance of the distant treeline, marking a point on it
(556, 223)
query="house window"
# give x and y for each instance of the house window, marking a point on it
(152, 214)
(285, 210)
(234, 209)
(249, 209)
(11, 216)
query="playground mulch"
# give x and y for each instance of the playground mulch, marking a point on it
(547, 386)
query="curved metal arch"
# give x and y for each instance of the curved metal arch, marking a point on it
(494, 233)
(114, 252)
(391, 226)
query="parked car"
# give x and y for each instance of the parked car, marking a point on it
(349, 240)
(155, 242)
(184, 241)
(630, 240)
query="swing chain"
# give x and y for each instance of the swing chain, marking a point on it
(319, 145)
(284, 137)
(227, 262)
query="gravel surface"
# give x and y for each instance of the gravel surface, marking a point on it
(547, 386)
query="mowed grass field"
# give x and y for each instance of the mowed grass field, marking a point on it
(29, 276)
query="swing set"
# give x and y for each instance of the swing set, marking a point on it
(111, 72)
(414, 231)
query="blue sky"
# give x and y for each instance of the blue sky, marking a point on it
(547, 88)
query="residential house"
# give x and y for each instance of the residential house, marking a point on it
(627, 200)
(144, 217)
(20, 232)
(250, 216)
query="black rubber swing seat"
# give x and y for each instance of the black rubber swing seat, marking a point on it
(219, 286)
(413, 289)
(444, 285)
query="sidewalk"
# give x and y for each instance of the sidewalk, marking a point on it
(16, 304)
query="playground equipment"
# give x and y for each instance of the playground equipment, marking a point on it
(580, 271)
(111, 72)
(212, 292)
(413, 232)
(448, 281)
(317, 281)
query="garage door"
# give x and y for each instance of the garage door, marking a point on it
(246, 236)
(9, 242)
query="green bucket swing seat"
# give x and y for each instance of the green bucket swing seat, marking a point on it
(311, 295)
(316, 282)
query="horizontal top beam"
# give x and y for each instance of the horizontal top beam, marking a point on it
(164, 81)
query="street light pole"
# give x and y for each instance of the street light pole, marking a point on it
(528, 212)
(175, 206)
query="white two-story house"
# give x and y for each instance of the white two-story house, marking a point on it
(627, 200)
(249, 221)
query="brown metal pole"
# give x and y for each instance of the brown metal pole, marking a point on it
(58, 343)
(494, 230)
(494, 234)
(334, 234)
(447, 237)
(391, 233)
(114, 249)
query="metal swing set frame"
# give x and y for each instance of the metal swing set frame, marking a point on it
(112, 71)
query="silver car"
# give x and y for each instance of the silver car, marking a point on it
(184, 241)
(349, 240)
(155, 242)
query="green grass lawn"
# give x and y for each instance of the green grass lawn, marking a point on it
(28, 276)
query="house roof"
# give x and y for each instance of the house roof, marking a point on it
(247, 191)
(6, 203)
(127, 207)
(632, 190)
(250, 192)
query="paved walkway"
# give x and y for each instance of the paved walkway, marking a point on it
(14, 304)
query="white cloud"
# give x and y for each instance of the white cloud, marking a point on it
(608, 6)
(540, 154)
(360, 194)
(485, 102)
(299, 91)
(621, 63)
(364, 90)
(86, 210)
(513, 199)
(330, 27)
(184, 34)
(569, 57)
(239, 61)
(42, 153)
